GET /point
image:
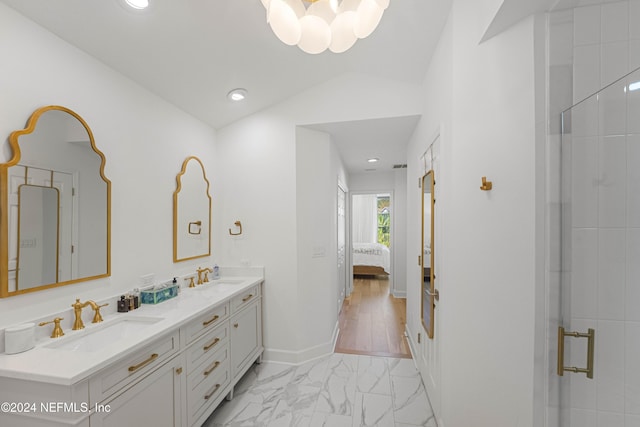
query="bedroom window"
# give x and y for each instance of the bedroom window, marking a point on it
(384, 220)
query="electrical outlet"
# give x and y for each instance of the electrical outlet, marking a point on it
(147, 279)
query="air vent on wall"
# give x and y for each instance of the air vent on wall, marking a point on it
(400, 166)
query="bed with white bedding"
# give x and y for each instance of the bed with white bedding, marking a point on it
(371, 259)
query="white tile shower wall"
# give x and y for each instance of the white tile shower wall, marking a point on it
(603, 246)
(606, 44)
(604, 250)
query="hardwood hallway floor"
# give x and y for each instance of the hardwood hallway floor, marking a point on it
(372, 321)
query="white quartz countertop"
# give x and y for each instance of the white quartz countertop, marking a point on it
(67, 367)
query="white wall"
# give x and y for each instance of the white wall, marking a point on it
(482, 99)
(435, 123)
(144, 139)
(318, 170)
(262, 163)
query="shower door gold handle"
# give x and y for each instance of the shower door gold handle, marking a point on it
(590, 335)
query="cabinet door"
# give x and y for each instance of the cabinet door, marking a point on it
(246, 337)
(154, 401)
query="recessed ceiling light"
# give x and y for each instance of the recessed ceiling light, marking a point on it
(373, 160)
(138, 4)
(237, 94)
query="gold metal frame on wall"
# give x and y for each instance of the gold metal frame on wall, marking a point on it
(432, 292)
(4, 202)
(175, 209)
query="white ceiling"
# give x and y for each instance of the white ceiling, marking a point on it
(385, 139)
(192, 52)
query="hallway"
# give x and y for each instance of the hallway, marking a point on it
(372, 321)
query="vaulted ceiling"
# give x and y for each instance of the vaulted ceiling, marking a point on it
(193, 52)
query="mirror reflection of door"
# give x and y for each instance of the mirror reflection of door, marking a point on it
(41, 227)
(38, 236)
(428, 291)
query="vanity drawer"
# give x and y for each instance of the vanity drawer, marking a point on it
(206, 322)
(208, 393)
(245, 298)
(127, 370)
(208, 368)
(205, 346)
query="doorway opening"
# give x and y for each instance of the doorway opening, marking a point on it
(372, 321)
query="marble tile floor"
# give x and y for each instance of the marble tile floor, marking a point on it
(338, 390)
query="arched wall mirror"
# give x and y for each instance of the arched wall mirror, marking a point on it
(191, 212)
(56, 204)
(428, 292)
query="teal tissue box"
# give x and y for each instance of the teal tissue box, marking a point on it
(156, 296)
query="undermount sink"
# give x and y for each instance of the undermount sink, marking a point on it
(219, 285)
(99, 336)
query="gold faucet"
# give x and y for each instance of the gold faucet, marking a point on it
(57, 330)
(77, 311)
(206, 272)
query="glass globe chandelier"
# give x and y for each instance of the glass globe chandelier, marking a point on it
(317, 25)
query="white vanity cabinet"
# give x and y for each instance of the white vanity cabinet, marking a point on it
(141, 388)
(246, 331)
(176, 377)
(157, 400)
(208, 374)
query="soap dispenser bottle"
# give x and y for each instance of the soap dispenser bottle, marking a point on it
(123, 305)
(216, 271)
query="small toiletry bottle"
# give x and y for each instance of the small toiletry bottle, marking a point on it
(123, 305)
(136, 298)
(175, 283)
(216, 271)
(131, 302)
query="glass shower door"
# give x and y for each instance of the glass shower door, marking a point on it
(600, 260)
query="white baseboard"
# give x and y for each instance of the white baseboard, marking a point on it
(302, 356)
(399, 294)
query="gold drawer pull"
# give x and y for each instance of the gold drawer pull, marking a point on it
(212, 368)
(212, 392)
(247, 298)
(213, 319)
(235, 325)
(207, 347)
(141, 364)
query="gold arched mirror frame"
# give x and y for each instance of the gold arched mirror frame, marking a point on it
(191, 212)
(19, 161)
(428, 292)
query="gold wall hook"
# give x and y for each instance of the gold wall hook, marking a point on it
(486, 185)
(239, 225)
